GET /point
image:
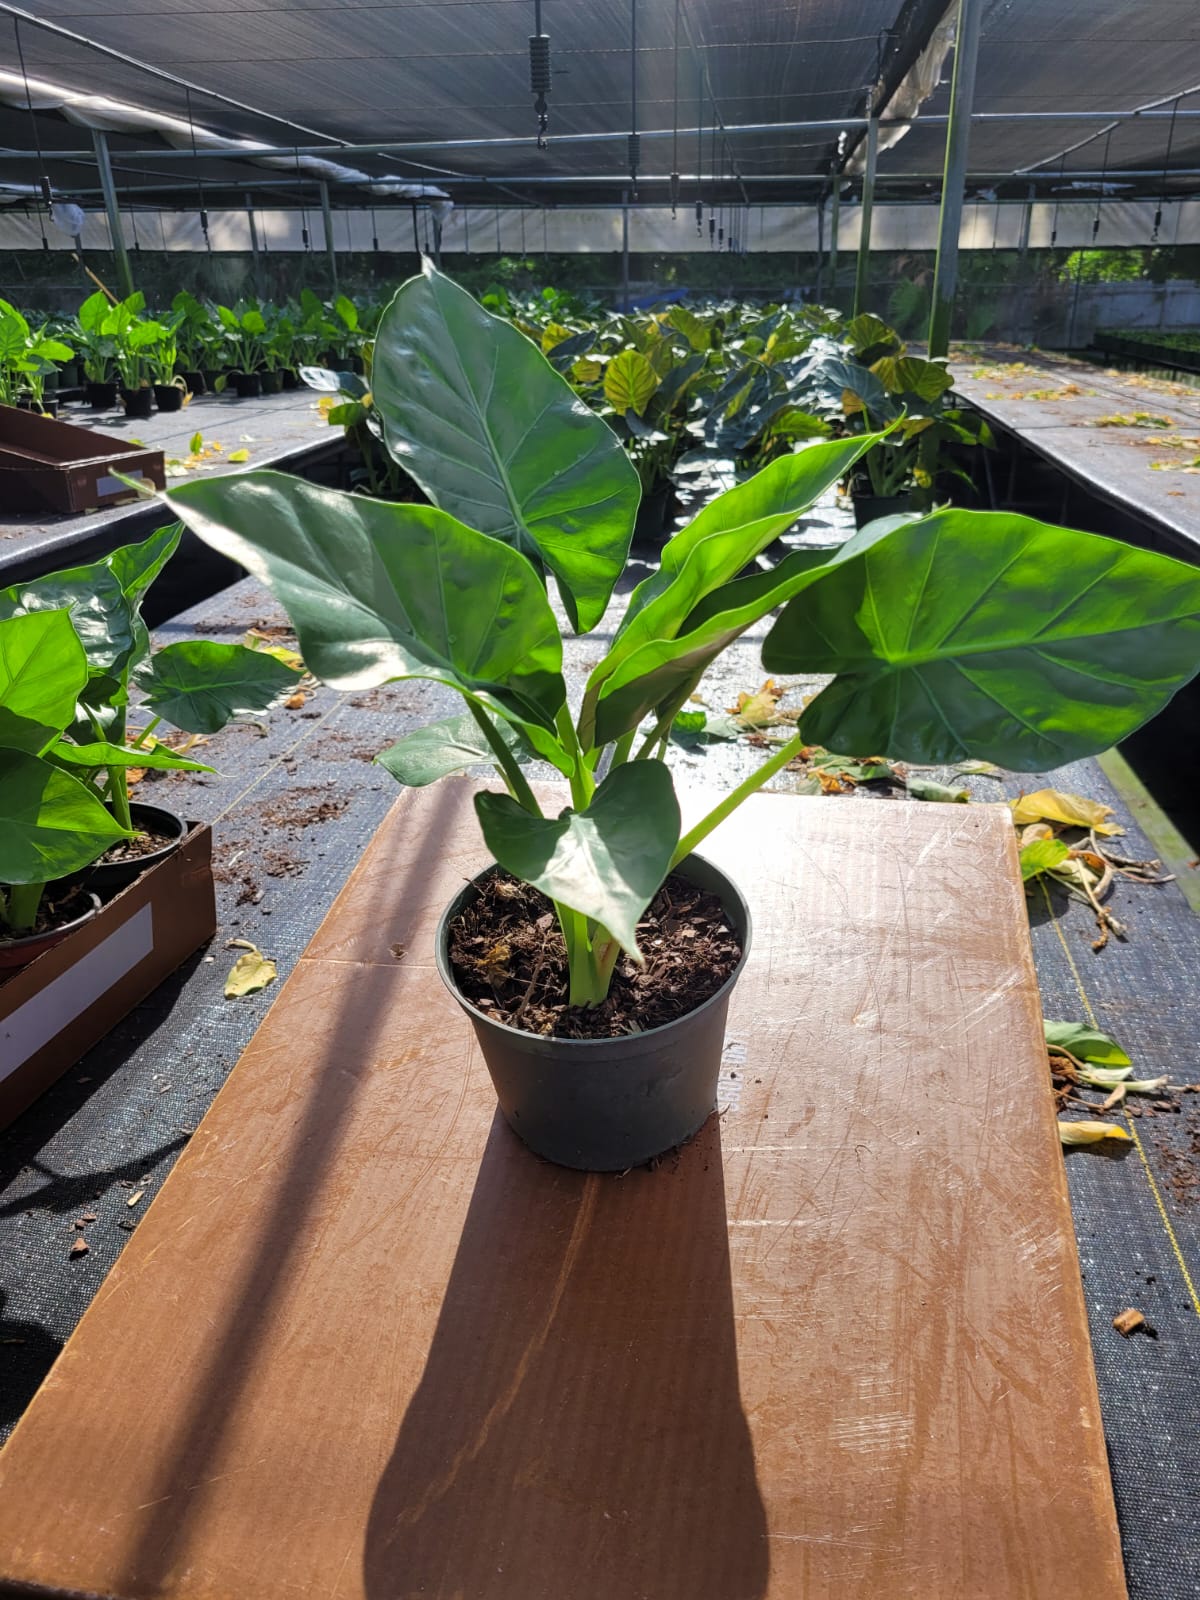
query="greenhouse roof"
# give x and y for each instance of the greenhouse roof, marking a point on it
(780, 89)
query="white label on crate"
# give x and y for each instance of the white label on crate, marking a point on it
(115, 486)
(69, 995)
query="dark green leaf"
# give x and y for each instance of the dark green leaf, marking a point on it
(378, 591)
(198, 685)
(606, 862)
(971, 633)
(496, 437)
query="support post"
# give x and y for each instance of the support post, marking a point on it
(258, 285)
(330, 247)
(958, 138)
(835, 211)
(109, 190)
(625, 250)
(1026, 223)
(862, 274)
(820, 286)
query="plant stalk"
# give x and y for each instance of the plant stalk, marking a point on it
(734, 799)
(23, 902)
(517, 783)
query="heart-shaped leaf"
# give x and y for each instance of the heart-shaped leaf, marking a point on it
(198, 685)
(629, 382)
(475, 412)
(42, 671)
(440, 748)
(51, 824)
(606, 862)
(974, 633)
(378, 591)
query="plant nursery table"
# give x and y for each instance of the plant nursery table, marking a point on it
(366, 1345)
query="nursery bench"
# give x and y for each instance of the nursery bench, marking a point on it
(365, 1345)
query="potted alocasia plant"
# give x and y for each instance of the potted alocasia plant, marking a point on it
(245, 330)
(71, 643)
(960, 634)
(28, 356)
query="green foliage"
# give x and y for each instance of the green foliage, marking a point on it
(958, 634)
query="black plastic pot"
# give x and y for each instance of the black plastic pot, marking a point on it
(654, 515)
(109, 876)
(209, 376)
(101, 396)
(603, 1105)
(168, 397)
(869, 507)
(195, 382)
(272, 382)
(48, 408)
(290, 380)
(20, 952)
(247, 384)
(138, 403)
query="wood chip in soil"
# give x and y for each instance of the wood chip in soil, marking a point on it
(509, 958)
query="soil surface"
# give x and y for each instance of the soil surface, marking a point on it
(147, 842)
(62, 903)
(509, 959)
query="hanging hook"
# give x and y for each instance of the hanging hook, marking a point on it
(540, 73)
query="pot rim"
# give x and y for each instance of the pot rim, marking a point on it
(62, 930)
(636, 1041)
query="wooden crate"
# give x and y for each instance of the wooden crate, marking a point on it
(47, 465)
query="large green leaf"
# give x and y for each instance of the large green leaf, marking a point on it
(496, 437)
(974, 633)
(606, 862)
(704, 556)
(50, 824)
(42, 670)
(198, 685)
(432, 752)
(629, 382)
(378, 591)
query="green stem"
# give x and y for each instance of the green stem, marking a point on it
(583, 786)
(139, 741)
(735, 797)
(623, 747)
(23, 902)
(517, 784)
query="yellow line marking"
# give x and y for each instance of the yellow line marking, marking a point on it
(1130, 1121)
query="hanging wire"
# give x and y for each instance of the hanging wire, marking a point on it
(712, 169)
(199, 179)
(1062, 167)
(700, 153)
(539, 73)
(1080, 254)
(499, 248)
(675, 120)
(44, 178)
(1158, 215)
(545, 247)
(522, 235)
(374, 232)
(305, 237)
(635, 143)
(137, 243)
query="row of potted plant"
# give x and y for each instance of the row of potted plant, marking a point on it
(158, 360)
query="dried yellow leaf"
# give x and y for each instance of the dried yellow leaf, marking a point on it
(1090, 1132)
(1071, 810)
(250, 972)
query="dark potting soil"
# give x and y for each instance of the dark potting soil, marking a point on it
(62, 903)
(509, 959)
(145, 843)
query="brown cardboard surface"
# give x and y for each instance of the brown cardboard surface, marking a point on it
(365, 1346)
(179, 898)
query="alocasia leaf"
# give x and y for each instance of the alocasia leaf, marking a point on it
(606, 862)
(42, 670)
(378, 591)
(440, 748)
(478, 416)
(51, 824)
(198, 685)
(974, 633)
